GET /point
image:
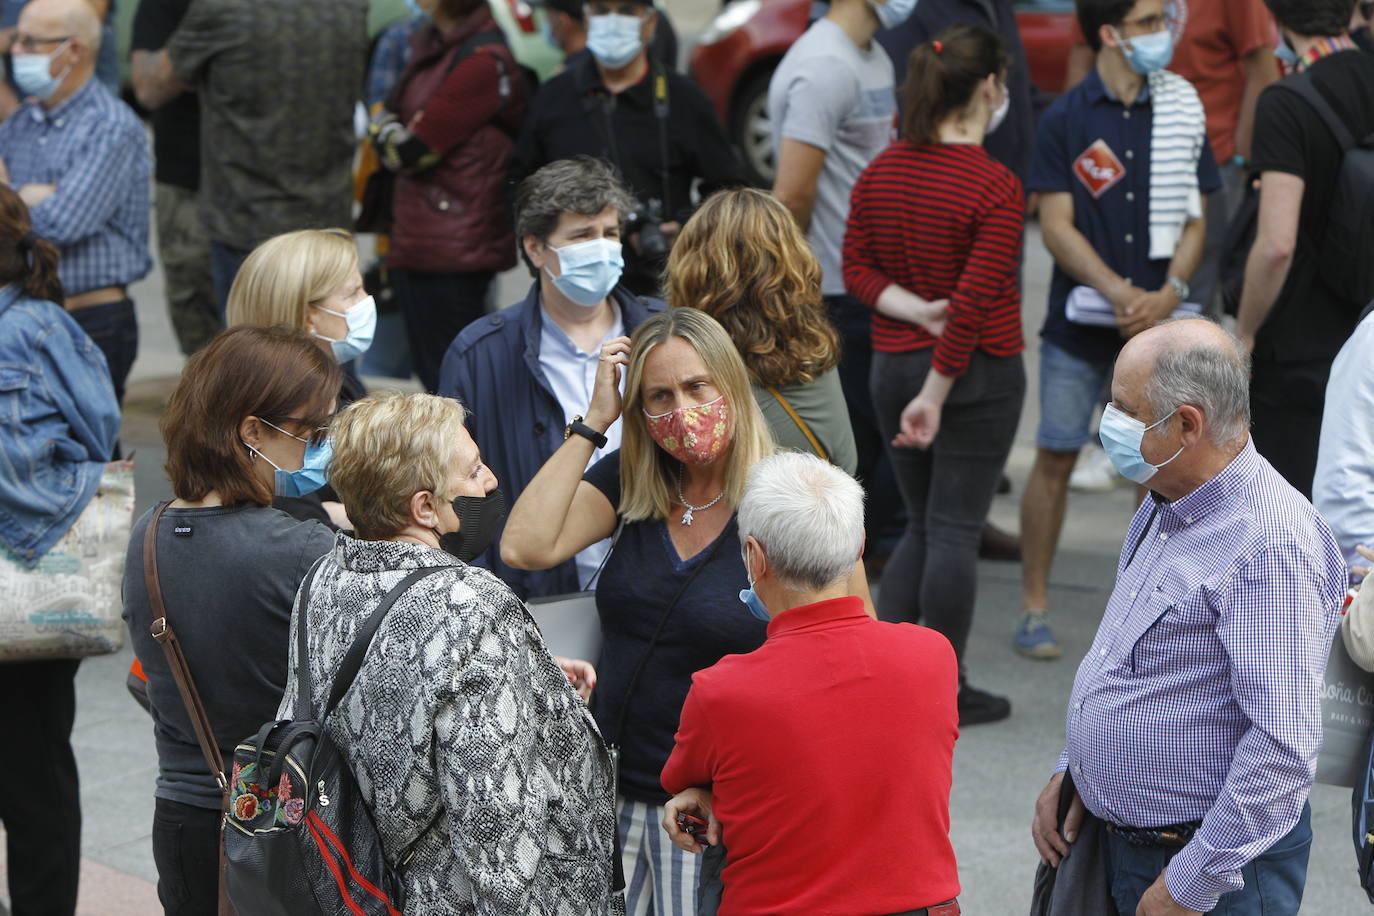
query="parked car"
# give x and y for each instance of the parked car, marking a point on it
(738, 52)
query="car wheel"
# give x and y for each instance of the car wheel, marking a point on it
(752, 131)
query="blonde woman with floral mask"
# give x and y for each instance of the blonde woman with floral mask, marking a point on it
(668, 597)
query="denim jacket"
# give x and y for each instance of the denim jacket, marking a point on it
(58, 423)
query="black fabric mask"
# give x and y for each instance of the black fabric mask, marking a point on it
(479, 519)
(1362, 39)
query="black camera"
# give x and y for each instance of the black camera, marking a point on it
(645, 220)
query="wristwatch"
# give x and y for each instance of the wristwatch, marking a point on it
(577, 427)
(1180, 289)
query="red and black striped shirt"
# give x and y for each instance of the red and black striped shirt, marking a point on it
(944, 221)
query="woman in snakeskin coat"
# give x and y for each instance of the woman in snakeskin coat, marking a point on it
(482, 766)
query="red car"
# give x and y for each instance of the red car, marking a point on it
(741, 47)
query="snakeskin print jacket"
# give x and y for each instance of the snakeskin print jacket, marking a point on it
(474, 753)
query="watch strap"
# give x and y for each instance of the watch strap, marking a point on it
(578, 428)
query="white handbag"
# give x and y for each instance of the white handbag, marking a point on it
(69, 606)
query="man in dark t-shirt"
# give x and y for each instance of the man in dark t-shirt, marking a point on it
(1291, 316)
(183, 247)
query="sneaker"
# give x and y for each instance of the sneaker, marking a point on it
(1033, 637)
(977, 707)
(1094, 473)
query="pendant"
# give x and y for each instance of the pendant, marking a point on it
(687, 517)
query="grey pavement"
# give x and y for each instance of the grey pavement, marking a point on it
(999, 769)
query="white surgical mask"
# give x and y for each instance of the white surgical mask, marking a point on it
(999, 114)
(892, 13)
(361, 318)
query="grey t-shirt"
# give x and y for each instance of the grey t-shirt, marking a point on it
(831, 94)
(820, 405)
(229, 577)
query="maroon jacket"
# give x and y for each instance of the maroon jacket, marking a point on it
(453, 218)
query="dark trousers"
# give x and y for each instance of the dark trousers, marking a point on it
(883, 512)
(186, 853)
(114, 328)
(225, 261)
(436, 306)
(1273, 882)
(1286, 402)
(40, 800)
(947, 488)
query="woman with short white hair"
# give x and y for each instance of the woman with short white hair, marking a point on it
(477, 757)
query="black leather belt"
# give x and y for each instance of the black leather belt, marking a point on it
(1173, 835)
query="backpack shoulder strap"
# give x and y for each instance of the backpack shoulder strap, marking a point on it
(353, 660)
(476, 42)
(304, 708)
(1302, 85)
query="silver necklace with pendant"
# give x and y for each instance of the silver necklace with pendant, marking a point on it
(687, 516)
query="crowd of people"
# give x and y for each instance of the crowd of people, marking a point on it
(764, 428)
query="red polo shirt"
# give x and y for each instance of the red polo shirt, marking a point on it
(830, 752)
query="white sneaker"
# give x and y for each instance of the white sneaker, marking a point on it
(1094, 473)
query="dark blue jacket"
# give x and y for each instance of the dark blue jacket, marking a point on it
(493, 368)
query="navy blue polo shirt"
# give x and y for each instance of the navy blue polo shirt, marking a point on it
(1091, 145)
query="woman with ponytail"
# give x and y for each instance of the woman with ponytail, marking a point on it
(933, 246)
(58, 423)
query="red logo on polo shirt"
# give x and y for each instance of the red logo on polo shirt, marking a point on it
(1098, 168)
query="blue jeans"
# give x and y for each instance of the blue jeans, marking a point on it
(225, 261)
(1273, 882)
(1071, 390)
(113, 328)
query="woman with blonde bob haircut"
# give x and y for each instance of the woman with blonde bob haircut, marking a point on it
(460, 725)
(742, 260)
(668, 596)
(310, 280)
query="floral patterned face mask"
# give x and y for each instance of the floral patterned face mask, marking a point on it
(693, 435)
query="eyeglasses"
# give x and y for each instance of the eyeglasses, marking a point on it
(316, 438)
(32, 43)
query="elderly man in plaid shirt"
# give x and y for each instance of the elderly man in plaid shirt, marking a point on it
(1195, 721)
(79, 158)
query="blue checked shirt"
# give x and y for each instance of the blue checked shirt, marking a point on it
(1200, 696)
(95, 150)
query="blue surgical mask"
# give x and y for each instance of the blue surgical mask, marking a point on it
(1285, 53)
(546, 29)
(614, 39)
(415, 12)
(1121, 438)
(748, 596)
(588, 271)
(31, 74)
(1148, 53)
(314, 470)
(361, 318)
(892, 13)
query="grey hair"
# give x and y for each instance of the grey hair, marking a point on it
(808, 516)
(1214, 379)
(582, 185)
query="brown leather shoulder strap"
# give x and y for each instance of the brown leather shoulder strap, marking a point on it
(176, 660)
(801, 424)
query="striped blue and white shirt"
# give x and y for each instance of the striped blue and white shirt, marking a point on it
(1200, 696)
(95, 150)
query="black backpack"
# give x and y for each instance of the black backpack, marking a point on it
(298, 838)
(1343, 253)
